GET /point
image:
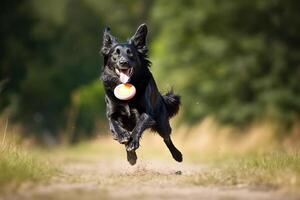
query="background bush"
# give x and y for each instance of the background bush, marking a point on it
(236, 61)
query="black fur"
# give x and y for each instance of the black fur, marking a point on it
(148, 108)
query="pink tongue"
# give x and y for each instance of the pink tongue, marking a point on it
(123, 77)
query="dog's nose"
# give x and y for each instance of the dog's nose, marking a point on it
(123, 62)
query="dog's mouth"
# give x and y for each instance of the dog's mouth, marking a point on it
(124, 74)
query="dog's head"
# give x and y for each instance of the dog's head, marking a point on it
(129, 59)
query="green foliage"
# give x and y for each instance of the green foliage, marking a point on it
(17, 166)
(68, 59)
(237, 61)
(51, 54)
(15, 32)
(87, 109)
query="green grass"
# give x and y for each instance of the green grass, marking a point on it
(278, 169)
(17, 167)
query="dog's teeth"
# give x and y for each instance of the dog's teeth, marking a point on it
(117, 71)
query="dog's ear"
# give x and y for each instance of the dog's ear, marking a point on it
(139, 38)
(108, 41)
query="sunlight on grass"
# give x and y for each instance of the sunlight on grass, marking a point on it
(217, 157)
(16, 165)
(279, 169)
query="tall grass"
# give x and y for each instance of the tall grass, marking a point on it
(260, 155)
(270, 170)
(17, 165)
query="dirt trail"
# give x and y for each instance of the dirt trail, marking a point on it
(103, 178)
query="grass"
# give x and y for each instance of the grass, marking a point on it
(252, 159)
(17, 165)
(271, 170)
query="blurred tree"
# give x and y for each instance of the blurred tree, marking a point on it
(67, 58)
(17, 48)
(237, 61)
(51, 54)
(87, 110)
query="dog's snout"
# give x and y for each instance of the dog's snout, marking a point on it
(123, 62)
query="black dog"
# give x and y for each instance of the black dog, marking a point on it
(148, 108)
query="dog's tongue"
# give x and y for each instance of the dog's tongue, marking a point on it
(124, 77)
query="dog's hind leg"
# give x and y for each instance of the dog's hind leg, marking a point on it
(165, 134)
(174, 151)
(131, 157)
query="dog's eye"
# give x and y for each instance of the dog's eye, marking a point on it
(118, 51)
(128, 51)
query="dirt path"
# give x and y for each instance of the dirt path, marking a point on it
(102, 178)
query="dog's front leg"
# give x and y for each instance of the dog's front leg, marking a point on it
(145, 121)
(119, 133)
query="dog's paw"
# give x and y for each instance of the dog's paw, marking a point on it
(132, 145)
(177, 156)
(124, 138)
(131, 157)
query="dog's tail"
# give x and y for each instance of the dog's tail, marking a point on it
(172, 102)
